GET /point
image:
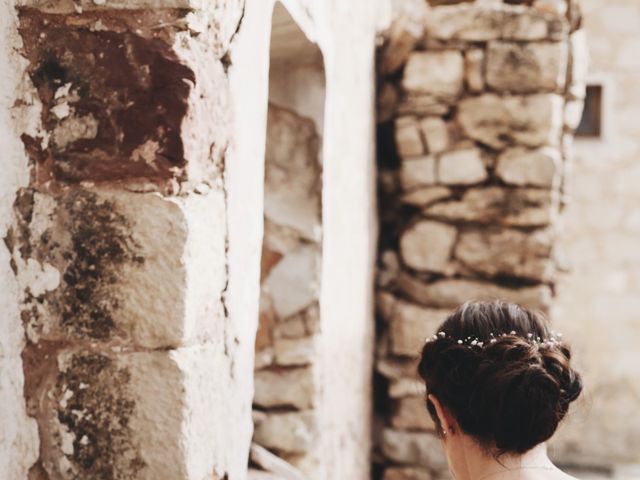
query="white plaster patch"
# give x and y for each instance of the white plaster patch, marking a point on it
(39, 278)
(73, 129)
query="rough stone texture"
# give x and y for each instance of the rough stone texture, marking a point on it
(462, 167)
(474, 64)
(417, 172)
(406, 473)
(493, 205)
(427, 246)
(410, 413)
(525, 68)
(290, 432)
(483, 22)
(87, 261)
(421, 449)
(410, 324)
(523, 167)
(438, 74)
(425, 196)
(436, 134)
(496, 121)
(284, 388)
(408, 139)
(509, 253)
(451, 293)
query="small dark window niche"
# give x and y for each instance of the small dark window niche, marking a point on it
(591, 123)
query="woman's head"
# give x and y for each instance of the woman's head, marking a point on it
(500, 373)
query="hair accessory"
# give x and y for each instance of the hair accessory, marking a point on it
(475, 342)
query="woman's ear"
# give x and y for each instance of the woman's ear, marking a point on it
(445, 418)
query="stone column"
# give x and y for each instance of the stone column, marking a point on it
(119, 242)
(477, 107)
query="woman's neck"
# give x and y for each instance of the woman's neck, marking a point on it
(481, 466)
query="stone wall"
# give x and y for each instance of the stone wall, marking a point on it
(477, 104)
(286, 377)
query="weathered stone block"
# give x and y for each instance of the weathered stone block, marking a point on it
(509, 253)
(291, 432)
(422, 104)
(523, 167)
(474, 66)
(406, 473)
(424, 196)
(439, 74)
(293, 282)
(479, 23)
(293, 174)
(436, 134)
(128, 415)
(417, 172)
(291, 352)
(500, 206)
(126, 107)
(114, 266)
(452, 293)
(413, 448)
(291, 387)
(410, 325)
(527, 67)
(462, 167)
(407, 387)
(496, 121)
(411, 413)
(408, 139)
(427, 246)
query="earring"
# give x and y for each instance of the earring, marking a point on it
(444, 432)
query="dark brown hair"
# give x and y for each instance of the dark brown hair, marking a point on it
(511, 393)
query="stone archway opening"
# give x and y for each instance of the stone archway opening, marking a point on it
(287, 361)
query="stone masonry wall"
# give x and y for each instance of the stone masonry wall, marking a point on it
(286, 379)
(119, 242)
(477, 104)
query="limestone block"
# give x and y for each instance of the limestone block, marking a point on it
(410, 413)
(149, 109)
(291, 432)
(417, 172)
(291, 387)
(402, 36)
(426, 195)
(131, 415)
(523, 167)
(509, 253)
(579, 64)
(557, 7)
(101, 265)
(266, 460)
(294, 351)
(436, 134)
(527, 68)
(410, 325)
(438, 73)
(452, 293)
(496, 121)
(406, 473)
(293, 282)
(483, 22)
(494, 205)
(293, 175)
(407, 387)
(397, 368)
(474, 60)
(427, 246)
(413, 448)
(407, 135)
(462, 167)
